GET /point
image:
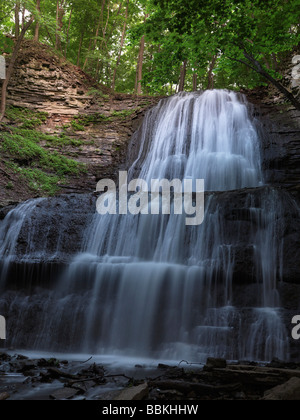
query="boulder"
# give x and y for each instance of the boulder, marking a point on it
(136, 393)
(64, 394)
(289, 391)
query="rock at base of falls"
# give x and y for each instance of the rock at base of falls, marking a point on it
(289, 391)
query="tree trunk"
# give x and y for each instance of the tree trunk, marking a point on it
(195, 82)
(139, 69)
(11, 67)
(57, 18)
(99, 23)
(182, 76)
(79, 49)
(37, 26)
(96, 35)
(68, 31)
(17, 19)
(275, 62)
(210, 73)
(59, 23)
(104, 30)
(121, 48)
(256, 66)
(87, 56)
(266, 62)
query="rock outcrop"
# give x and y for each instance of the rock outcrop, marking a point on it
(67, 380)
(99, 120)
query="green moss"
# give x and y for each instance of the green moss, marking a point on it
(26, 153)
(9, 186)
(39, 181)
(62, 141)
(36, 179)
(26, 117)
(26, 149)
(123, 113)
(77, 126)
(97, 93)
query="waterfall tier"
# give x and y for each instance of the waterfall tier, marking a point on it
(150, 286)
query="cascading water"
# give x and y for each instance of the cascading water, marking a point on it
(149, 285)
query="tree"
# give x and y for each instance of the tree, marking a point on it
(210, 84)
(60, 12)
(17, 19)
(245, 32)
(121, 47)
(11, 65)
(180, 45)
(182, 76)
(37, 26)
(139, 68)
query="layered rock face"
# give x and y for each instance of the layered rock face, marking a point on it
(44, 82)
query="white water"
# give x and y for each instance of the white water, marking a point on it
(148, 286)
(9, 234)
(207, 136)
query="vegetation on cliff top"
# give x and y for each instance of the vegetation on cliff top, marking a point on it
(163, 46)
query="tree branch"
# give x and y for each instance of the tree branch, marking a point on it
(242, 62)
(255, 65)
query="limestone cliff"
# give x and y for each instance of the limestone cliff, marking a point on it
(99, 121)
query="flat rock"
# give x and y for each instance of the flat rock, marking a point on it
(4, 396)
(213, 363)
(64, 394)
(289, 391)
(136, 393)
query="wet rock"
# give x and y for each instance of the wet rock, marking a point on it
(83, 386)
(93, 370)
(22, 366)
(64, 394)
(57, 373)
(29, 373)
(45, 377)
(289, 391)
(136, 393)
(164, 366)
(48, 363)
(22, 357)
(4, 357)
(4, 396)
(235, 381)
(213, 363)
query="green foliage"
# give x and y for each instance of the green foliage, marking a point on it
(77, 126)
(97, 93)
(61, 141)
(123, 114)
(6, 44)
(213, 37)
(80, 122)
(236, 32)
(26, 117)
(40, 181)
(26, 150)
(9, 186)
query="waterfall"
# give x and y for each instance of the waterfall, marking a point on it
(9, 234)
(150, 286)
